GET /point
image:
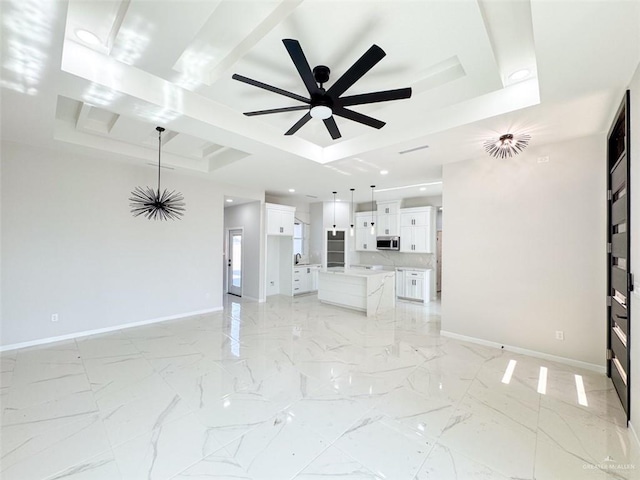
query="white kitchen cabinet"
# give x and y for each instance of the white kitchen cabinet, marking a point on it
(388, 218)
(364, 219)
(413, 284)
(400, 283)
(280, 219)
(417, 230)
(305, 279)
(365, 240)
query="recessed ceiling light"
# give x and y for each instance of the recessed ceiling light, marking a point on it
(88, 37)
(520, 74)
(422, 189)
(338, 200)
(229, 200)
(292, 190)
(384, 172)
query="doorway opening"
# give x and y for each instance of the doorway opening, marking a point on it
(234, 263)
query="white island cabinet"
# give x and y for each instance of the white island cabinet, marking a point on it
(370, 291)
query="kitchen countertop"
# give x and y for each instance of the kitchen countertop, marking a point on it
(358, 272)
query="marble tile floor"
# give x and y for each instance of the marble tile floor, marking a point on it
(293, 389)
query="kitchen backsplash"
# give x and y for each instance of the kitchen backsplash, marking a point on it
(397, 259)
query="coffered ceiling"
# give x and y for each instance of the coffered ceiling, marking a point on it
(170, 63)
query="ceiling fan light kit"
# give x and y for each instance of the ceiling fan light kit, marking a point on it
(508, 145)
(325, 104)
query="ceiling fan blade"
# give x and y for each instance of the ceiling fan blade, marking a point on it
(358, 117)
(276, 110)
(298, 125)
(365, 63)
(258, 84)
(301, 63)
(374, 97)
(331, 125)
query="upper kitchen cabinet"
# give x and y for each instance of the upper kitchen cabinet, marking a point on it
(417, 230)
(365, 240)
(280, 219)
(388, 218)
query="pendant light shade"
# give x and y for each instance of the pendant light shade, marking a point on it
(373, 228)
(334, 213)
(351, 230)
(153, 204)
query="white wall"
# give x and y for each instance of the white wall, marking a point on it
(524, 250)
(316, 235)
(71, 246)
(635, 251)
(248, 217)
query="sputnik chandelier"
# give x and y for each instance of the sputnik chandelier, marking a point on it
(508, 145)
(153, 204)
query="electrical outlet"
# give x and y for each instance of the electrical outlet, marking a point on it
(559, 335)
(54, 317)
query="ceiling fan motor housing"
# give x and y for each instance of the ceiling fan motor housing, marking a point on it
(321, 74)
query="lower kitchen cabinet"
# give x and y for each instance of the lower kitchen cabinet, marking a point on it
(413, 284)
(305, 279)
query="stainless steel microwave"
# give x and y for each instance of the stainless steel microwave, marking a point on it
(388, 243)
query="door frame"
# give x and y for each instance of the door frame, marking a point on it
(227, 258)
(625, 397)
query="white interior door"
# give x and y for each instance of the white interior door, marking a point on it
(234, 263)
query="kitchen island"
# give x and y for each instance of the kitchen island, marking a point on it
(370, 291)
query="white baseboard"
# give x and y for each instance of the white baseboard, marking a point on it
(524, 351)
(70, 336)
(253, 299)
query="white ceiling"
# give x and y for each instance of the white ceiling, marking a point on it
(170, 63)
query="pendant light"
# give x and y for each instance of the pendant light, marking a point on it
(373, 229)
(351, 230)
(334, 213)
(154, 205)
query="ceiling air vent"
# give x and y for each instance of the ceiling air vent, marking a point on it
(413, 149)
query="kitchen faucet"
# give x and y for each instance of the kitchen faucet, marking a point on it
(297, 258)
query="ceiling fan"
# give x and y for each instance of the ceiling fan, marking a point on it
(323, 103)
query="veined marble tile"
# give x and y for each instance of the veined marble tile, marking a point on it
(39, 366)
(231, 417)
(518, 401)
(484, 433)
(327, 413)
(166, 451)
(42, 391)
(151, 386)
(422, 415)
(588, 438)
(362, 398)
(200, 390)
(446, 464)
(142, 415)
(55, 449)
(600, 395)
(276, 449)
(333, 463)
(383, 448)
(114, 344)
(108, 375)
(370, 389)
(102, 467)
(19, 425)
(218, 466)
